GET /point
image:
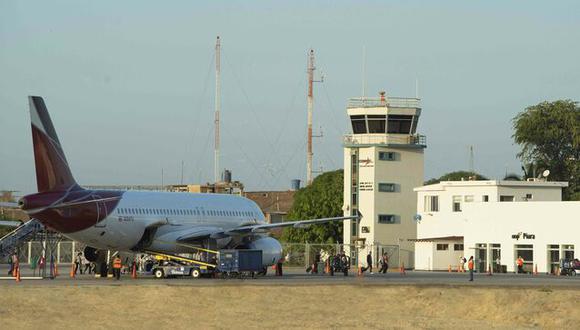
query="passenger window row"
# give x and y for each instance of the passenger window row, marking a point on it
(215, 213)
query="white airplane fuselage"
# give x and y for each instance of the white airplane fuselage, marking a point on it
(171, 213)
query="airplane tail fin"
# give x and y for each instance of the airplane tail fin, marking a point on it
(52, 170)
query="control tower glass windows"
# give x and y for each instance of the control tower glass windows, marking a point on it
(376, 123)
(359, 124)
(399, 124)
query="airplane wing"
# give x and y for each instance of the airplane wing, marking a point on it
(217, 233)
(262, 228)
(9, 204)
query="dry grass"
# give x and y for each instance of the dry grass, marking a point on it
(288, 307)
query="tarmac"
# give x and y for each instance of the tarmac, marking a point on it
(298, 277)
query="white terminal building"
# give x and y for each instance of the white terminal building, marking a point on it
(383, 162)
(496, 222)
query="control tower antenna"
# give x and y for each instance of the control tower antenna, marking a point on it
(471, 161)
(311, 81)
(216, 175)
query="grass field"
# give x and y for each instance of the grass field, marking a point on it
(294, 307)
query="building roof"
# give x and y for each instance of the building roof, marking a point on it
(487, 183)
(437, 239)
(272, 201)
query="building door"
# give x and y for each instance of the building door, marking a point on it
(495, 259)
(553, 258)
(481, 257)
(525, 251)
(568, 251)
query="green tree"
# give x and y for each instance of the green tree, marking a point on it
(456, 176)
(322, 199)
(549, 135)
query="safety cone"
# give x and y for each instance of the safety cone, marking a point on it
(72, 270)
(402, 269)
(134, 271)
(55, 269)
(535, 270)
(360, 272)
(18, 273)
(489, 273)
(449, 269)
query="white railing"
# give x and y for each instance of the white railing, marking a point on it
(390, 102)
(364, 139)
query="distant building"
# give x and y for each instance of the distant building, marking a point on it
(274, 204)
(496, 222)
(383, 162)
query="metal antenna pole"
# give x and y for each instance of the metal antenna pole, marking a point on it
(310, 106)
(216, 175)
(471, 161)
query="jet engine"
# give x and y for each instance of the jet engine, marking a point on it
(91, 254)
(271, 249)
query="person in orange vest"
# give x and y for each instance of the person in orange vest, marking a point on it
(117, 264)
(520, 263)
(470, 267)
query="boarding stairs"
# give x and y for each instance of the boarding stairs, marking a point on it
(21, 234)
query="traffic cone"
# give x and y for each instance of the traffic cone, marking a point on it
(489, 273)
(535, 270)
(18, 273)
(72, 270)
(55, 269)
(449, 269)
(402, 269)
(360, 272)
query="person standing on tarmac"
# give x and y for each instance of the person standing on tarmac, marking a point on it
(520, 263)
(117, 265)
(470, 267)
(385, 263)
(370, 262)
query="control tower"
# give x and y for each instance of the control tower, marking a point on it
(383, 162)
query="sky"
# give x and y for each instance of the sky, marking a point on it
(130, 84)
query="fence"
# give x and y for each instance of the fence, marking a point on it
(305, 254)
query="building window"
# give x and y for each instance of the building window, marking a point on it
(359, 125)
(442, 247)
(387, 187)
(456, 203)
(387, 218)
(387, 155)
(458, 247)
(529, 197)
(431, 204)
(506, 198)
(485, 198)
(468, 198)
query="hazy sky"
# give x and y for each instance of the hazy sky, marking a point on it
(129, 84)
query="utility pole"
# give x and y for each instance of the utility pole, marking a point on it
(216, 175)
(311, 82)
(471, 161)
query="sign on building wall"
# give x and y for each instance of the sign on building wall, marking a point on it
(523, 235)
(365, 186)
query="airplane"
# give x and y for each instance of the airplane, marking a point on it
(140, 221)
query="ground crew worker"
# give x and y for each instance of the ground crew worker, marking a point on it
(520, 263)
(370, 262)
(385, 265)
(117, 264)
(470, 266)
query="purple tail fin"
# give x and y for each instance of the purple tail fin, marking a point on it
(52, 170)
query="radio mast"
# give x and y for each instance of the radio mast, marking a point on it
(216, 176)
